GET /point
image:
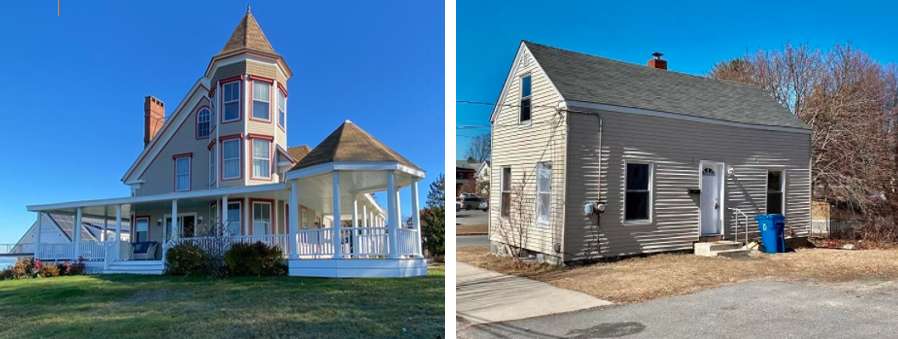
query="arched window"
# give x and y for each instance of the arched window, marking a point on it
(203, 123)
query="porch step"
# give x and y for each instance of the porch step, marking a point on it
(715, 248)
(152, 267)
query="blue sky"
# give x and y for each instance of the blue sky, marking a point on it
(74, 84)
(692, 35)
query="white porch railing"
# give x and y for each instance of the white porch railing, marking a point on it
(92, 251)
(64, 251)
(315, 243)
(219, 245)
(408, 242)
(12, 249)
(356, 242)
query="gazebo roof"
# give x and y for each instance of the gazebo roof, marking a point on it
(349, 143)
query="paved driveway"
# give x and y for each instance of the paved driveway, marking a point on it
(472, 240)
(485, 296)
(754, 309)
(471, 217)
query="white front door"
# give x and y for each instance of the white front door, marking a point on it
(711, 198)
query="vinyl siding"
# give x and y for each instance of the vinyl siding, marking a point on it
(159, 176)
(675, 147)
(521, 147)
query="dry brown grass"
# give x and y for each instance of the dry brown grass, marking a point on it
(471, 229)
(643, 278)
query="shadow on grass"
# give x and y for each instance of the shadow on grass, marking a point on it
(162, 306)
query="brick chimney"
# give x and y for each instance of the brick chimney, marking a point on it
(153, 118)
(657, 62)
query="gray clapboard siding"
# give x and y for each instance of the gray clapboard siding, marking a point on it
(675, 147)
(523, 146)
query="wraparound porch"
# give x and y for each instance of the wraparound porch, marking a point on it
(299, 218)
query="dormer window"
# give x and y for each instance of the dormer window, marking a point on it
(261, 100)
(231, 100)
(282, 109)
(525, 99)
(203, 123)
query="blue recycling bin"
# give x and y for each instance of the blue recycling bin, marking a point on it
(772, 236)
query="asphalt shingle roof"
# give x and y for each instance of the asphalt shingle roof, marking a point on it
(587, 78)
(349, 143)
(248, 34)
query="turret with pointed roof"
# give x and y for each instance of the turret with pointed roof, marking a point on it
(248, 37)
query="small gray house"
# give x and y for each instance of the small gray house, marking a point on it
(596, 158)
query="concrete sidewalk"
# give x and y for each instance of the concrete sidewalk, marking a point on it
(484, 296)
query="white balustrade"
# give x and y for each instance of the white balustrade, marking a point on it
(408, 242)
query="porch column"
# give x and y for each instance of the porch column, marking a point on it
(76, 235)
(37, 240)
(355, 225)
(294, 219)
(416, 216)
(338, 235)
(118, 231)
(173, 226)
(224, 215)
(105, 223)
(364, 221)
(392, 222)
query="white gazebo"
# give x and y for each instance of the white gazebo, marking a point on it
(333, 178)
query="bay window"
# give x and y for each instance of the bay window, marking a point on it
(261, 158)
(230, 156)
(231, 100)
(282, 109)
(261, 100)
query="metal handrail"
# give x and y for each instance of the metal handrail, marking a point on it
(744, 217)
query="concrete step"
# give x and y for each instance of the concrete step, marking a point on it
(154, 267)
(738, 253)
(146, 272)
(711, 249)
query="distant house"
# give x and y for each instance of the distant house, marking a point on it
(466, 177)
(597, 158)
(219, 165)
(483, 176)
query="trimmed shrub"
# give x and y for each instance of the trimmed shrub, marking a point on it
(23, 269)
(256, 259)
(73, 268)
(188, 259)
(49, 270)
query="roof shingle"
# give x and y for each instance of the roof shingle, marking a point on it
(248, 35)
(587, 78)
(349, 143)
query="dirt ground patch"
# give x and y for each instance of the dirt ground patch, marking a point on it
(471, 229)
(643, 278)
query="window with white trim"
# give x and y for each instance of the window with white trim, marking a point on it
(282, 110)
(212, 167)
(231, 100)
(141, 229)
(182, 173)
(506, 191)
(543, 192)
(261, 100)
(638, 192)
(525, 98)
(232, 224)
(261, 217)
(775, 186)
(261, 158)
(230, 156)
(203, 123)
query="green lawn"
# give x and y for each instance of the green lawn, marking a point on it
(140, 306)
